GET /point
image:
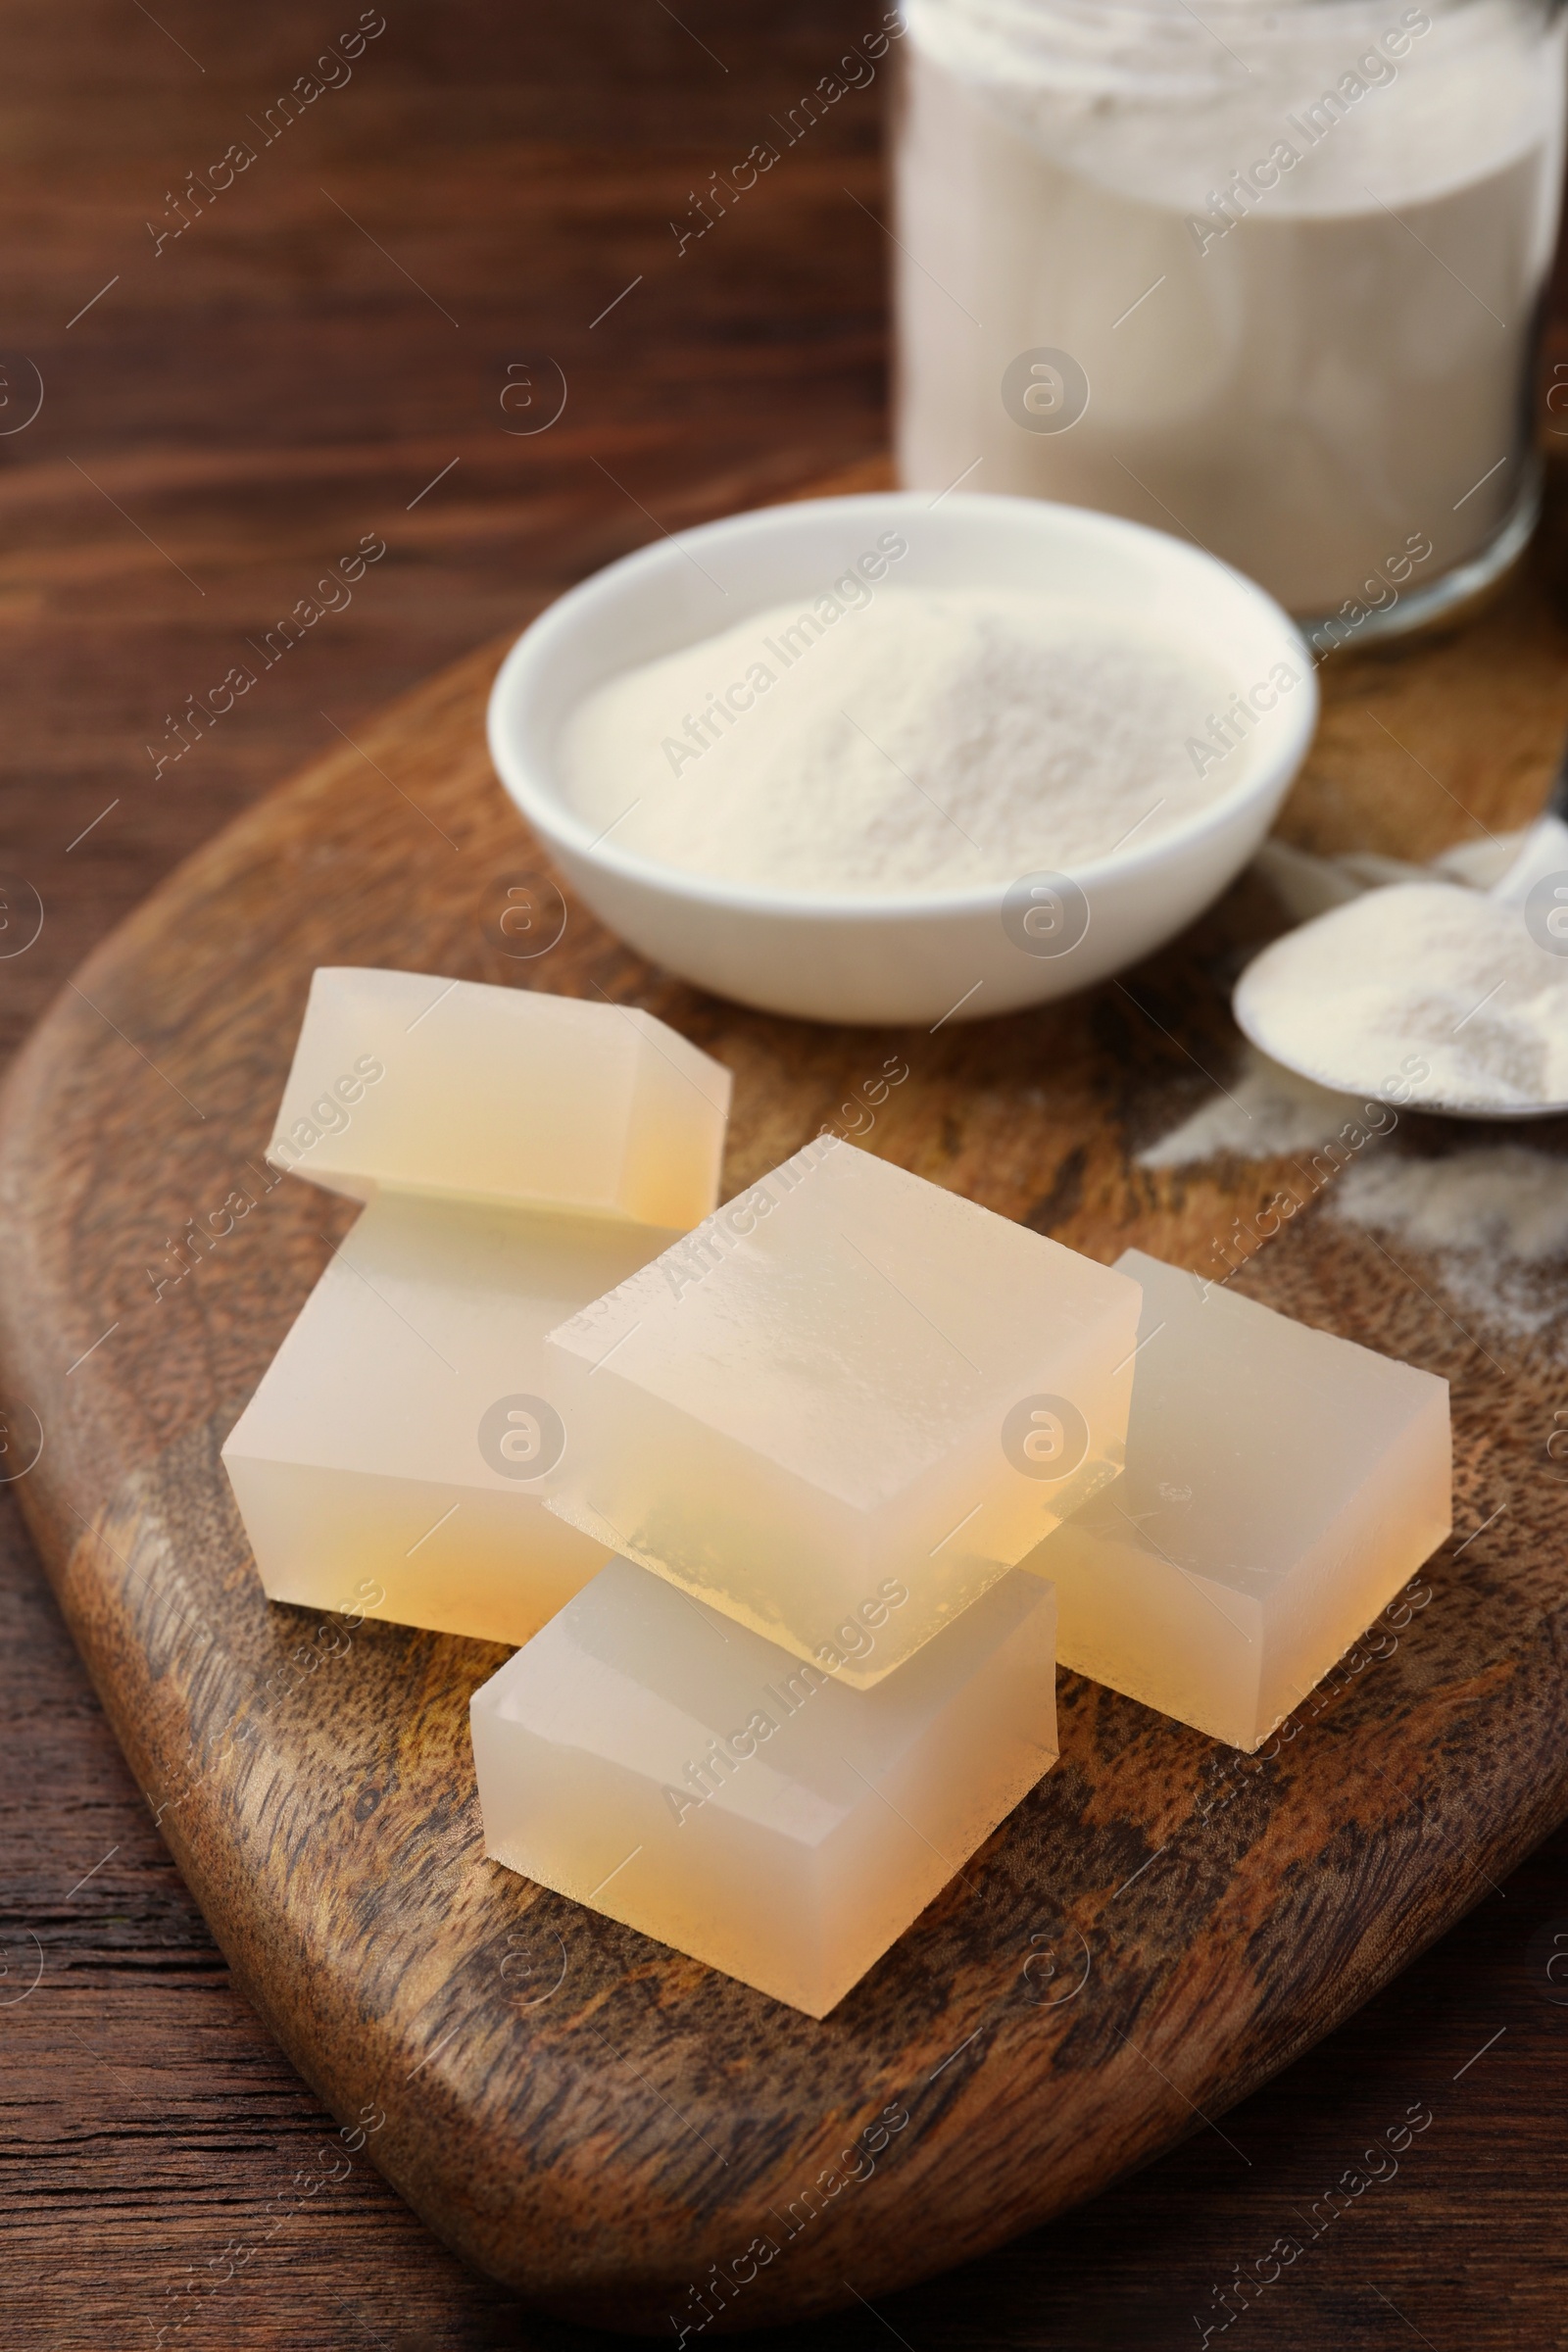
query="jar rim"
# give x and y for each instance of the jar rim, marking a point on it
(1123, 45)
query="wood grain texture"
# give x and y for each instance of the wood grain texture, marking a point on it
(233, 411)
(601, 2143)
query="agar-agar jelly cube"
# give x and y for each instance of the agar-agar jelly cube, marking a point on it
(1281, 1485)
(683, 1776)
(845, 1376)
(406, 1432)
(406, 1082)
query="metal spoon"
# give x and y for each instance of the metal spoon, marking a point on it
(1541, 859)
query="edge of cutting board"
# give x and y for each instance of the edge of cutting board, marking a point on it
(579, 2111)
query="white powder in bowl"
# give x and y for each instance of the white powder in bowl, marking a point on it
(1425, 987)
(922, 742)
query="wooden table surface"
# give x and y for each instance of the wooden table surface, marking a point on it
(323, 351)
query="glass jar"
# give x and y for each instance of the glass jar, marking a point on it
(1268, 276)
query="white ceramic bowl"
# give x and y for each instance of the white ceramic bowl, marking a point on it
(917, 956)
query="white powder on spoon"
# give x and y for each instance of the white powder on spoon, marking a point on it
(1428, 987)
(922, 742)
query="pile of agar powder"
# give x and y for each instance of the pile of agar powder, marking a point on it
(1422, 975)
(923, 741)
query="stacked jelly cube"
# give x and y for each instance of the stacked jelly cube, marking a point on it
(517, 1154)
(781, 1509)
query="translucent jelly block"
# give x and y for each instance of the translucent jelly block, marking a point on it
(403, 1082)
(846, 1382)
(699, 1784)
(1281, 1486)
(406, 1430)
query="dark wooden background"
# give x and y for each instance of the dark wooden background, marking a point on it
(232, 414)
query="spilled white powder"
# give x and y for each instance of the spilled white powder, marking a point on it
(1508, 1202)
(917, 742)
(1265, 1111)
(1495, 1221)
(1425, 985)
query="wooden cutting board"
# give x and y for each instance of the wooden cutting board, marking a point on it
(617, 2132)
